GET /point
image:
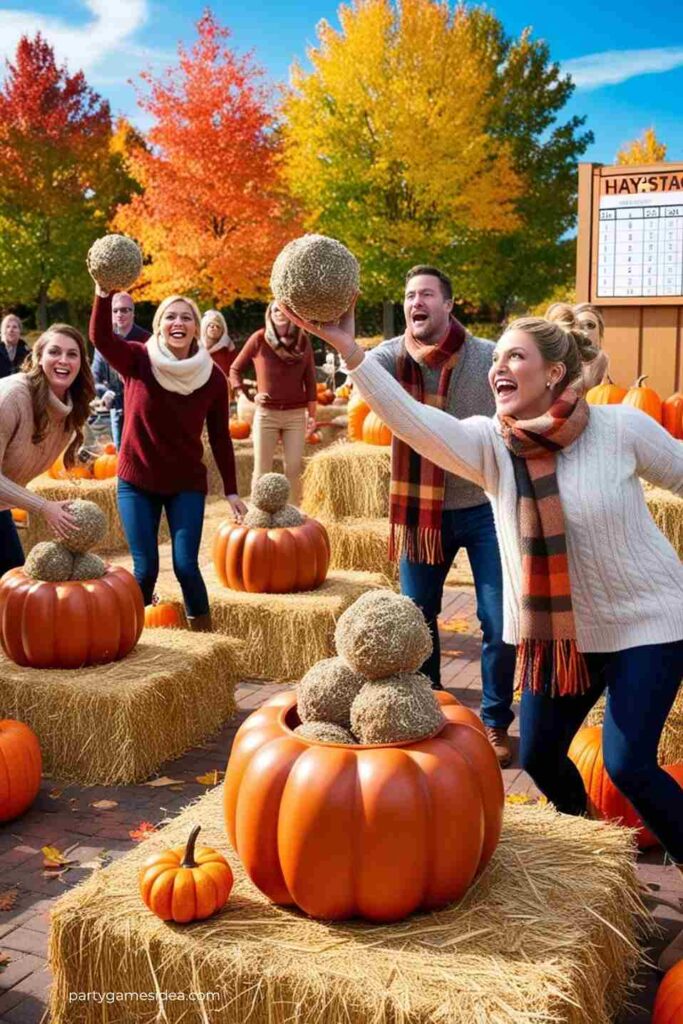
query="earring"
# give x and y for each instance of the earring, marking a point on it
(548, 384)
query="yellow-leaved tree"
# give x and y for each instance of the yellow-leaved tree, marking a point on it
(645, 150)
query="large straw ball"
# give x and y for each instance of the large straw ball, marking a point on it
(327, 692)
(270, 492)
(317, 277)
(115, 261)
(90, 528)
(288, 516)
(256, 517)
(395, 710)
(324, 732)
(88, 567)
(49, 561)
(383, 633)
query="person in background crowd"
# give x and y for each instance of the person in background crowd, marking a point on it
(171, 389)
(43, 410)
(589, 321)
(14, 349)
(107, 381)
(285, 377)
(217, 341)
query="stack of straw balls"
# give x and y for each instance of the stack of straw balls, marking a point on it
(372, 692)
(57, 561)
(269, 507)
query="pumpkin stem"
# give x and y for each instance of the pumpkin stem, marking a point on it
(188, 860)
(639, 382)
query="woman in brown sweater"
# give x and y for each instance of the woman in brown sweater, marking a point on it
(285, 377)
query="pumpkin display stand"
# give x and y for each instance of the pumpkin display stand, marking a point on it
(670, 749)
(284, 634)
(549, 932)
(244, 460)
(348, 479)
(115, 724)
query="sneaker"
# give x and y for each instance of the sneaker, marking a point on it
(500, 741)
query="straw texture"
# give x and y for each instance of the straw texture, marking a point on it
(547, 934)
(670, 750)
(667, 511)
(284, 634)
(114, 724)
(348, 480)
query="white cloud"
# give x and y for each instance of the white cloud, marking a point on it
(615, 66)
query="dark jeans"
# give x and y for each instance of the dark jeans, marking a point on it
(116, 421)
(11, 551)
(140, 514)
(641, 684)
(474, 530)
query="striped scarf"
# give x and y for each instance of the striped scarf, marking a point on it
(417, 485)
(548, 660)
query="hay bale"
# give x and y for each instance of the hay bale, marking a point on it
(114, 724)
(548, 933)
(101, 492)
(284, 634)
(244, 465)
(670, 750)
(348, 480)
(667, 511)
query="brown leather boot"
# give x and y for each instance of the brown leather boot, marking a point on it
(500, 741)
(200, 623)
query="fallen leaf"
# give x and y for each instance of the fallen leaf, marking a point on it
(518, 798)
(52, 855)
(104, 805)
(451, 654)
(8, 897)
(143, 831)
(455, 625)
(55, 794)
(56, 862)
(4, 960)
(210, 778)
(164, 781)
(54, 871)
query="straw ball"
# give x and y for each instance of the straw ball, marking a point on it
(270, 492)
(88, 567)
(394, 710)
(317, 277)
(383, 633)
(327, 692)
(288, 516)
(115, 262)
(90, 528)
(256, 517)
(49, 561)
(325, 732)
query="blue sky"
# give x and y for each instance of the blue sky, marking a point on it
(626, 59)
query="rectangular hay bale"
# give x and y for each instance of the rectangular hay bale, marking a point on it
(115, 724)
(549, 932)
(348, 480)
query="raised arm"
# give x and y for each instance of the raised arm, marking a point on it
(659, 456)
(122, 355)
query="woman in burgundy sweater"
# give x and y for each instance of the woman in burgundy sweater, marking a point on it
(216, 340)
(285, 378)
(171, 388)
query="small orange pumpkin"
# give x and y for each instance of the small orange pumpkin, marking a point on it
(278, 561)
(162, 615)
(58, 471)
(326, 397)
(19, 516)
(109, 448)
(315, 437)
(668, 1008)
(239, 430)
(644, 398)
(105, 466)
(20, 768)
(607, 393)
(375, 431)
(357, 410)
(184, 884)
(672, 415)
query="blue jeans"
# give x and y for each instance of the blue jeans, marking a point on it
(11, 551)
(140, 513)
(474, 530)
(641, 683)
(116, 422)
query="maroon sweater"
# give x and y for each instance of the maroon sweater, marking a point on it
(286, 385)
(161, 449)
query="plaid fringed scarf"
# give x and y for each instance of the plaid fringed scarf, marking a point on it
(548, 660)
(417, 485)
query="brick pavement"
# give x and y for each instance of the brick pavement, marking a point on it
(64, 817)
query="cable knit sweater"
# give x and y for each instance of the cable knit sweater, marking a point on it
(626, 579)
(20, 459)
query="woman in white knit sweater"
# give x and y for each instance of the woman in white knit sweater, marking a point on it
(593, 591)
(42, 412)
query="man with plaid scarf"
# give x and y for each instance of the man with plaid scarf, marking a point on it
(433, 514)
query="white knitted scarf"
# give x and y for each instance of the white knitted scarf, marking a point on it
(180, 375)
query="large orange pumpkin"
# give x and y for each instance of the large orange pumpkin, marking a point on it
(668, 1008)
(239, 430)
(605, 801)
(375, 431)
(184, 884)
(607, 393)
(72, 624)
(162, 615)
(644, 398)
(58, 471)
(20, 768)
(362, 831)
(672, 415)
(105, 466)
(275, 561)
(357, 410)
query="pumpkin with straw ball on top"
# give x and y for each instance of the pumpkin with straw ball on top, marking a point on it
(316, 277)
(115, 262)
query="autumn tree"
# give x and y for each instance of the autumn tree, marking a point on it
(212, 214)
(645, 150)
(422, 134)
(61, 178)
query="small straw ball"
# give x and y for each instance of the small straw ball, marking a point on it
(324, 732)
(317, 277)
(396, 710)
(327, 692)
(256, 517)
(288, 516)
(50, 561)
(115, 261)
(90, 528)
(270, 492)
(383, 633)
(88, 567)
